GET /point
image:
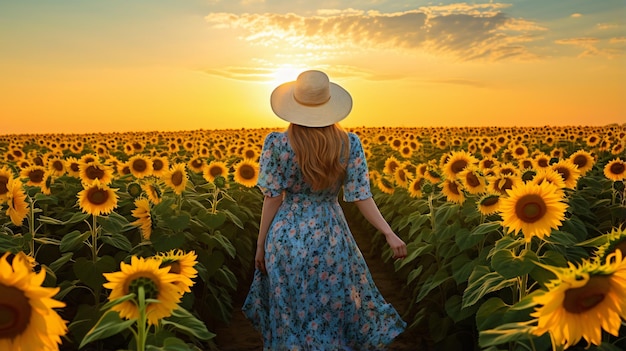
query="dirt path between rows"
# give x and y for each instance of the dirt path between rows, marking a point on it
(239, 335)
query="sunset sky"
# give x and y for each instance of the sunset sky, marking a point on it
(141, 65)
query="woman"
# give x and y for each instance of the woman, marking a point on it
(312, 289)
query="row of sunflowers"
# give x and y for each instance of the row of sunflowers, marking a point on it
(515, 236)
(140, 240)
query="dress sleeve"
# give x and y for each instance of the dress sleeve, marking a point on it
(356, 185)
(270, 171)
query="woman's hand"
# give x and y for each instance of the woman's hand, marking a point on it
(398, 247)
(259, 259)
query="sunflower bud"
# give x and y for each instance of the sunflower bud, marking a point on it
(220, 182)
(427, 188)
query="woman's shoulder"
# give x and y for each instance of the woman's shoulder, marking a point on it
(276, 137)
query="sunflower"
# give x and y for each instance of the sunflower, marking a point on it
(157, 284)
(391, 163)
(453, 190)
(153, 191)
(29, 321)
(246, 173)
(176, 178)
(140, 166)
(457, 162)
(541, 160)
(401, 176)
(160, 165)
(213, 170)
(5, 176)
(385, 185)
(583, 160)
(499, 184)
(35, 175)
(617, 149)
(16, 200)
(94, 170)
(196, 164)
(48, 179)
(57, 166)
(72, 167)
(533, 209)
(519, 151)
(97, 198)
(615, 240)
(473, 181)
(582, 301)
(488, 204)
(415, 186)
(182, 264)
(615, 170)
(144, 218)
(134, 189)
(568, 172)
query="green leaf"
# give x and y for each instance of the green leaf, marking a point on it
(108, 325)
(75, 218)
(414, 274)
(117, 301)
(90, 273)
(212, 220)
(171, 344)
(414, 249)
(505, 333)
(509, 265)
(114, 223)
(431, 283)
(486, 228)
(464, 240)
(59, 262)
(117, 240)
(179, 221)
(234, 219)
(225, 244)
(73, 241)
(187, 323)
(482, 282)
(226, 277)
(455, 310)
(445, 212)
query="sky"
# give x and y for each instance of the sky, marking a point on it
(79, 66)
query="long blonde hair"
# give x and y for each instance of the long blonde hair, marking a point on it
(321, 152)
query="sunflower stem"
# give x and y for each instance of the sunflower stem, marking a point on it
(94, 238)
(31, 226)
(141, 321)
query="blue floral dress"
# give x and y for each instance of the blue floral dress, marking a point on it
(318, 293)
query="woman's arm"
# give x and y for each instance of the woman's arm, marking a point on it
(371, 212)
(270, 207)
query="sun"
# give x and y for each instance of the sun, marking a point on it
(284, 74)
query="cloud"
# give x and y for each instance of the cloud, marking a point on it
(462, 31)
(576, 15)
(591, 46)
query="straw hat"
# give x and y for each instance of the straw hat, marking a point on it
(311, 101)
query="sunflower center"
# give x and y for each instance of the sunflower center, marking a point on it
(74, 167)
(196, 163)
(490, 201)
(458, 165)
(530, 208)
(215, 171)
(97, 196)
(617, 168)
(15, 312)
(580, 161)
(149, 287)
(134, 189)
(564, 172)
(542, 162)
(94, 172)
(454, 188)
(472, 180)
(247, 172)
(175, 267)
(36, 175)
(177, 178)
(57, 165)
(140, 165)
(3, 184)
(580, 300)
(157, 165)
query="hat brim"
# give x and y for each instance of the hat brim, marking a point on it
(334, 110)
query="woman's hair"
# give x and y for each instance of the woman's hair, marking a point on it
(321, 152)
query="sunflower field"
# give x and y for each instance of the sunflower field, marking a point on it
(141, 240)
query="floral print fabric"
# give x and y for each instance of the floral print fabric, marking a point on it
(318, 293)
